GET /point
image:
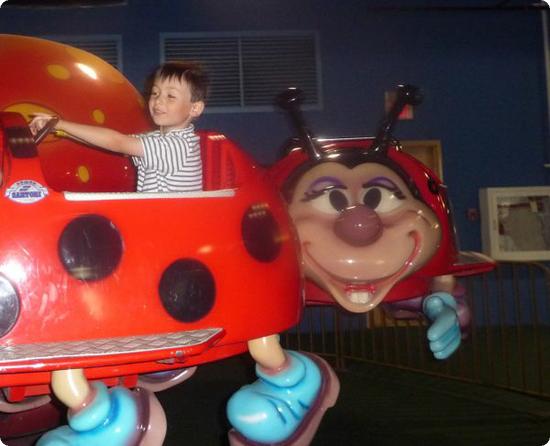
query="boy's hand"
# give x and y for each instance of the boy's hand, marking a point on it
(39, 120)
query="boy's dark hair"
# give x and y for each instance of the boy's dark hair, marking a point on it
(188, 71)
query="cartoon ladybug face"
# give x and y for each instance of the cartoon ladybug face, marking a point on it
(374, 223)
(361, 229)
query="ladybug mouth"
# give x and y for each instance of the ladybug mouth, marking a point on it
(366, 294)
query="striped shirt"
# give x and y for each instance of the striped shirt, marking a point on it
(171, 162)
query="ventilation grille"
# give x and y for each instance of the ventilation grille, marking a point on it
(107, 47)
(248, 71)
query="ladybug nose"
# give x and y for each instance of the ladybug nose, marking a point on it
(358, 226)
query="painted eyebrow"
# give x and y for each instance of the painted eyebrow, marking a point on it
(382, 182)
(327, 183)
(386, 183)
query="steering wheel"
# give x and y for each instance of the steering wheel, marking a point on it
(44, 131)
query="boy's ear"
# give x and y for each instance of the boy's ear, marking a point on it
(197, 108)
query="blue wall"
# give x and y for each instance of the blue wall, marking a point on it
(482, 73)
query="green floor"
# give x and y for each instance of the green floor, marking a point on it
(377, 406)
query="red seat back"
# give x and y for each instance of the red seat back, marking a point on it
(217, 164)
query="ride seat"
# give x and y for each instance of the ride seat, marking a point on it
(217, 164)
(60, 165)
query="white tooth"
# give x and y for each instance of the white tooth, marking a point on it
(360, 297)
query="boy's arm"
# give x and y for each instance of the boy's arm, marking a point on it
(103, 137)
(97, 136)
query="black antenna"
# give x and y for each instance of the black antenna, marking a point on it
(406, 95)
(290, 101)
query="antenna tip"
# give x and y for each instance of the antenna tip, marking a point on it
(410, 94)
(289, 98)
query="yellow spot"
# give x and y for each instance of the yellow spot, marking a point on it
(98, 116)
(27, 109)
(83, 174)
(59, 72)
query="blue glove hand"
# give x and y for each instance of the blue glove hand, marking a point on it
(444, 333)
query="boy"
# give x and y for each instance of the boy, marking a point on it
(168, 159)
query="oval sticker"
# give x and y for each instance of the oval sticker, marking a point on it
(26, 191)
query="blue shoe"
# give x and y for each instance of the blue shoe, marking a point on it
(110, 419)
(272, 409)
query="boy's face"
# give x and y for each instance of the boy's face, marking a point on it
(170, 104)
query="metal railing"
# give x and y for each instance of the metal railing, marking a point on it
(508, 344)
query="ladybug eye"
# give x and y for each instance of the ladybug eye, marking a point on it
(330, 200)
(338, 200)
(381, 199)
(372, 197)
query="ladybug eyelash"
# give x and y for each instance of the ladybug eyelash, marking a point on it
(397, 192)
(313, 194)
(308, 196)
